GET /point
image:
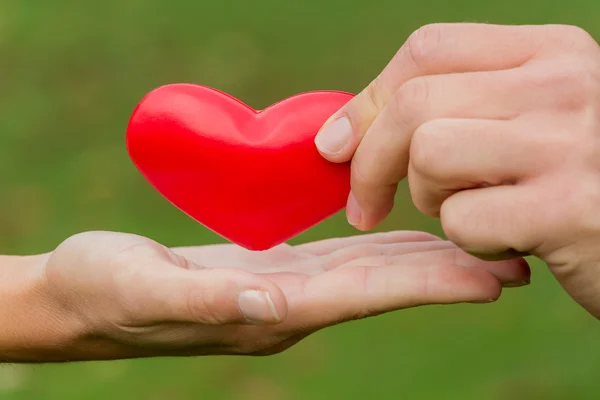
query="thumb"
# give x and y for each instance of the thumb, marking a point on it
(209, 296)
(340, 135)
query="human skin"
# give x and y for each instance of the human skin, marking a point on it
(497, 129)
(107, 295)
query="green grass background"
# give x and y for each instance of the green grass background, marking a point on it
(71, 73)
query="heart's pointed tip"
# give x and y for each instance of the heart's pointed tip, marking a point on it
(257, 246)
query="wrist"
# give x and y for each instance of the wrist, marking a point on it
(36, 325)
(32, 327)
(39, 324)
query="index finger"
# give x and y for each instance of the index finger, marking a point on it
(431, 50)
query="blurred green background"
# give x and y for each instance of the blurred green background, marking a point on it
(71, 72)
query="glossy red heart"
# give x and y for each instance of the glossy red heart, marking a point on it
(253, 177)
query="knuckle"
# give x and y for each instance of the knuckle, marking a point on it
(575, 36)
(555, 148)
(415, 91)
(362, 176)
(409, 101)
(213, 305)
(427, 150)
(203, 307)
(453, 226)
(557, 38)
(420, 199)
(423, 45)
(569, 83)
(574, 86)
(373, 95)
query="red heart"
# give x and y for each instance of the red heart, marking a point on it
(253, 177)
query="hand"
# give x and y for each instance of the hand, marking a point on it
(128, 296)
(497, 129)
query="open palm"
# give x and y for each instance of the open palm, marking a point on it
(145, 299)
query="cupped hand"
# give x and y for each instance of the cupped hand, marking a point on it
(128, 296)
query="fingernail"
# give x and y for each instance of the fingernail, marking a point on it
(334, 137)
(258, 307)
(486, 301)
(516, 284)
(353, 213)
